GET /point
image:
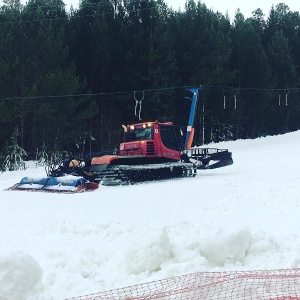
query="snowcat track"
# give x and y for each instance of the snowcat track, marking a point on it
(129, 175)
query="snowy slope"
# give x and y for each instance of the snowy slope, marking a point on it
(242, 217)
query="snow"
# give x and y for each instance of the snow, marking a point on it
(241, 217)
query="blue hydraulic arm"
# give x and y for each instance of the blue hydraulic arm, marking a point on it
(190, 125)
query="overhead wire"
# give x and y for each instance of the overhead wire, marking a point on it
(143, 91)
(89, 94)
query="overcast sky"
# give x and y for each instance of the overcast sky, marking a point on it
(245, 6)
(222, 6)
(231, 6)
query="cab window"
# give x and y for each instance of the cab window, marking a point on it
(168, 137)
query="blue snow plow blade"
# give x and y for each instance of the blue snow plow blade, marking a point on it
(67, 183)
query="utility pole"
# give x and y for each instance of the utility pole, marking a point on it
(203, 124)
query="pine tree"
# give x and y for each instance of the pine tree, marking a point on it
(284, 76)
(14, 155)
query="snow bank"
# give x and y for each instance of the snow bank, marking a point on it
(227, 247)
(242, 217)
(20, 277)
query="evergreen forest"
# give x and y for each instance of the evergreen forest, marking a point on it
(70, 79)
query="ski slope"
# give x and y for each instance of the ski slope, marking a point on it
(241, 217)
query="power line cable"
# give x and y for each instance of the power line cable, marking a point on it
(205, 87)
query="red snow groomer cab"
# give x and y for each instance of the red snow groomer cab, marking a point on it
(161, 141)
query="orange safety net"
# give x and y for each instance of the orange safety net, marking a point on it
(240, 285)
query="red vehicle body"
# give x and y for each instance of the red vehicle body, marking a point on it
(145, 143)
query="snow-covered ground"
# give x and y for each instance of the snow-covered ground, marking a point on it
(241, 217)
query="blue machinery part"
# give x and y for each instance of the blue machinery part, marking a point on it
(68, 183)
(190, 125)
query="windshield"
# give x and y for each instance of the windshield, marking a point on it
(139, 134)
